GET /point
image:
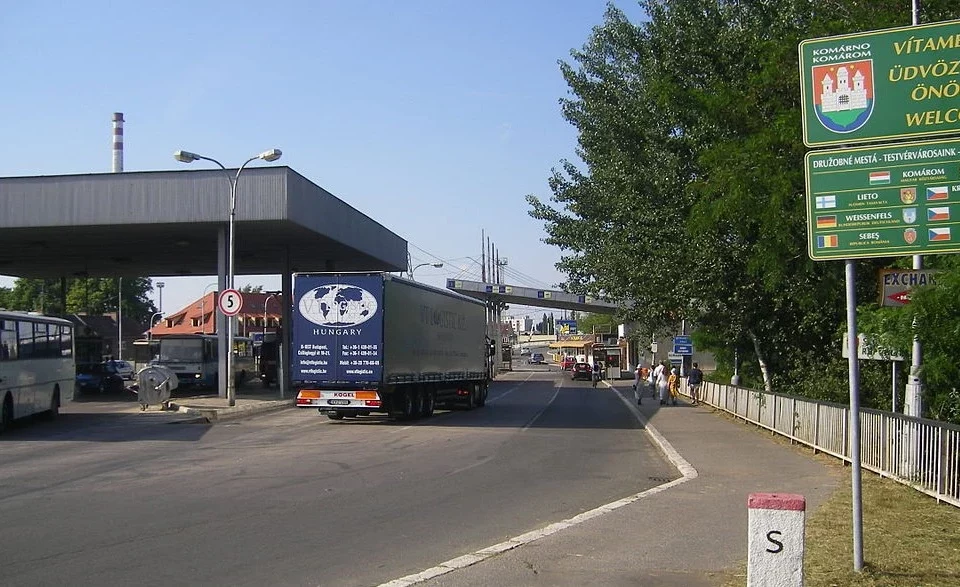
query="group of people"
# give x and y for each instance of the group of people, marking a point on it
(664, 381)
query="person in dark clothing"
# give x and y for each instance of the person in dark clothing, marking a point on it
(694, 381)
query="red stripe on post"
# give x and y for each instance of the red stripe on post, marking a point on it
(777, 501)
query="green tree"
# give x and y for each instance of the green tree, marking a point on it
(249, 288)
(690, 197)
(586, 323)
(84, 295)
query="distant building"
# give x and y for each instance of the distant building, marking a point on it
(199, 316)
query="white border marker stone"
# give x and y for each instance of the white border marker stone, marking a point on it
(775, 539)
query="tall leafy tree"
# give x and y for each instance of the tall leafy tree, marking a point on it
(83, 295)
(690, 197)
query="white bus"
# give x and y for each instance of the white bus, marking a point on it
(37, 370)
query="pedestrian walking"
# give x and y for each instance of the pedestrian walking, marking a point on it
(662, 388)
(673, 383)
(694, 381)
(638, 382)
(597, 372)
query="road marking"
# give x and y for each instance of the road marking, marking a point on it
(509, 391)
(687, 471)
(544, 409)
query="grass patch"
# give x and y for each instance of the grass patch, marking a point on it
(908, 539)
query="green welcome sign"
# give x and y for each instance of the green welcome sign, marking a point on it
(892, 84)
(884, 201)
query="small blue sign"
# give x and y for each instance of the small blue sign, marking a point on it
(683, 349)
(684, 339)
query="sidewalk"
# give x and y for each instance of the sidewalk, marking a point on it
(250, 399)
(691, 532)
(186, 406)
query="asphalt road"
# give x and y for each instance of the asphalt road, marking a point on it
(292, 498)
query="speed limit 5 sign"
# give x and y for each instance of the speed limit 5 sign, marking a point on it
(230, 302)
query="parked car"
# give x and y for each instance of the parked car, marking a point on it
(567, 363)
(536, 359)
(123, 369)
(99, 377)
(524, 351)
(581, 371)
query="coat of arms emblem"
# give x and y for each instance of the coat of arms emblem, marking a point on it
(908, 195)
(910, 235)
(909, 215)
(843, 94)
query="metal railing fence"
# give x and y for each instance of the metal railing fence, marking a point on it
(924, 454)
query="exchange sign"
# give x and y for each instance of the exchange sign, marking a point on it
(897, 83)
(897, 284)
(884, 201)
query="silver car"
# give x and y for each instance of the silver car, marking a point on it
(122, 368)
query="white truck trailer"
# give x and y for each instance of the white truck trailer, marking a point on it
(374, 342)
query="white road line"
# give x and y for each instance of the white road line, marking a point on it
(509, 391)
(685, 469)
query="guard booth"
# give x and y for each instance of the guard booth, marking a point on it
(613, 357)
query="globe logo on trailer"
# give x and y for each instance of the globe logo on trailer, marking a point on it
(338, 305)
(843, 95)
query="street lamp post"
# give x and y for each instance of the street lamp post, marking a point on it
(265, 302)
(437, 265)
(188, 157)
(203, 325)
(150, 330)
(160, 285)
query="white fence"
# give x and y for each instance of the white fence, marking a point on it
(924, 454)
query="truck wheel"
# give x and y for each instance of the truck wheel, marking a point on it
(482, 401)
(416, 403)
(335, 415)
(429, 403)
(471, 401)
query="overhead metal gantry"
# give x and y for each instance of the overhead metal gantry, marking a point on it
(529, 296)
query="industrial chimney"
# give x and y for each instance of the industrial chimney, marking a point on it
(117, 142)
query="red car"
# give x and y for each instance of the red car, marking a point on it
(581, 371)
(567, 363)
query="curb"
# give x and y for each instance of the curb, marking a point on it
(214, 415)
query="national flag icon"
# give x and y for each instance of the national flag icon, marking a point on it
(824, 202)
(827, 221)
(938, 213)
(879, 177)
(939, 234)
(937, 193)
(828, 241)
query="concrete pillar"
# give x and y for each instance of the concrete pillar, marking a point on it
(775, 539)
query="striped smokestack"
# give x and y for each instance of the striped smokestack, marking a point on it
(117, 142)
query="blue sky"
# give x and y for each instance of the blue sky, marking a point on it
(435, 118)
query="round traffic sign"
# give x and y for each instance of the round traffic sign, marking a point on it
(230, 302)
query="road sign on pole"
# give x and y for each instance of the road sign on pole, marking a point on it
(896, 284)
(884, 201)
(230, 302)
(896, 83)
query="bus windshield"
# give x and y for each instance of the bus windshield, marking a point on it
(180, 350)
